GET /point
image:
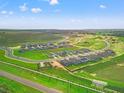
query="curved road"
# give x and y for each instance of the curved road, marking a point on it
(28, 83)
(9, 53)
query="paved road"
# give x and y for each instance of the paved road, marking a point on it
(9, 53)
(28, 83)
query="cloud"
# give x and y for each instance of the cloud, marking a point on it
(23, 7)
(53, 2)
(4, 12)
(76, 20)
(36, 10)
(10, 12)
(103, 6)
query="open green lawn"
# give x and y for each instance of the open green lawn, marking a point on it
(113, 61)
(16, 62)
(92, 43)
(33, 54)
(41, 54)
(99, 44)
(10, 86)
(65, 75)
(111, 71)
(121, 39)
(118, 47)
(114, 72)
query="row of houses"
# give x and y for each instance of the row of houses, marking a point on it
(85, 59)
(44, 46)
(69, 52)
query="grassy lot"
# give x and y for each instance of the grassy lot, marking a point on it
(50, 82)
(121, 39)
(10, 86)
(65, 75)
(98, 45)
(114, 72)
(20, 63)
(113, 69)
(40, 54)
(17, 38)
(118, 47)
(92, 42)
(33, 54)
(110, 71)
(97, 67)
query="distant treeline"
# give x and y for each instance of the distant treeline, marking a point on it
(113, 32)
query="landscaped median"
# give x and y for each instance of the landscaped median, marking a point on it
(47, 80)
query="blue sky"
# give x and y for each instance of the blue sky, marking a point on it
(61, 14)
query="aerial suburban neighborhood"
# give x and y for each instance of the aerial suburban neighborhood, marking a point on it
(61, 46)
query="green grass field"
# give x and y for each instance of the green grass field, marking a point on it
(44, 80)
(67, 76)
(10, 86)
(110, 71)
(92, 42)
(97, 67)
(114, 72)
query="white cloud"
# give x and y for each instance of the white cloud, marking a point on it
(76, 20)
(10, 12)
(23, 7)
(3, 12)
(53, 2)
(36, 10)
(103, 6)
